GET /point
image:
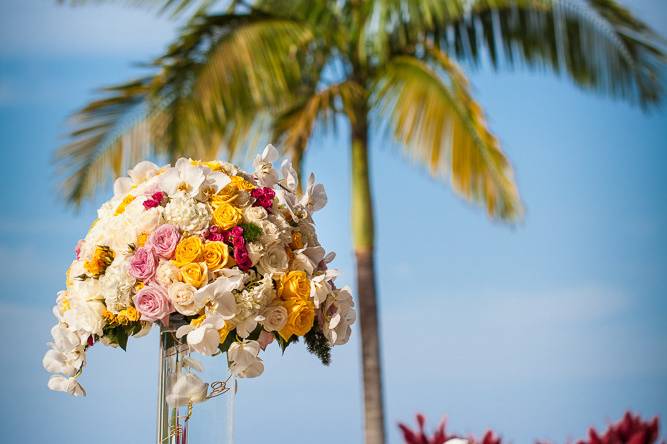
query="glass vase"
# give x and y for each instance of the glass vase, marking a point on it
(172, 422)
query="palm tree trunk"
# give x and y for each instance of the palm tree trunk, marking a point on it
(364, 243)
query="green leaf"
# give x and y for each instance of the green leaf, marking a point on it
(229, 340)
(283, 343)
(251, 232)
(318, 344)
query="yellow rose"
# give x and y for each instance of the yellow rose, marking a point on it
(300, 318)
(225, 330)
(195, 274)
(102, 258)
(189, 249)
(227, 216)
(121, 207)
(242, 184)
(216, 254)
(227, 195)
(294, 285)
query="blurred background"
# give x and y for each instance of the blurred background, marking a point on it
(536, 330)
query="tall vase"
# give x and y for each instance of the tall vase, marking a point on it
(172, 422)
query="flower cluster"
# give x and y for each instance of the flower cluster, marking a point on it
(631, 429)
(230, 258)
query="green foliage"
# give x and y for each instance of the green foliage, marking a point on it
(318, 344)
(285, 343)
(229, 340)
(119, 334)
(251, 232)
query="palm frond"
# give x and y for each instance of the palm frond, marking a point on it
(109, 133)
(254, 66)
(212, 85)
(596, 43)
(434, 116)
(293, 128)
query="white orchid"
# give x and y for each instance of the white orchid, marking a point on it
(243, 359)
(186, 388)
(184, 177)
(315, 197)
(320, 287)
(205, 338)
(339, 316)
(217, 180)
(67, 352)
(143, 171)
(220, 292)
(60, 383)
(264, 173)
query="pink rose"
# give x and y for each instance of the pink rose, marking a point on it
(77, 249)
(153, 303)
(143, 264)
(163, 240)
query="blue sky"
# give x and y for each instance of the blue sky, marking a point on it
(537, 330)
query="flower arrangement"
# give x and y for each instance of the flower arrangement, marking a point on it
(232, 258)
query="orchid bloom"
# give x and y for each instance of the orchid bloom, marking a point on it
(183, 177)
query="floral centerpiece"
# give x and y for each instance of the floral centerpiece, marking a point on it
(230, 258)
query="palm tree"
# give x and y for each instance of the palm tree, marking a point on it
(243, 70)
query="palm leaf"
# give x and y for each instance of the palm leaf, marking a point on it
(212, 84)
(293, 128)
(597, 43)
(109, 133)
(441, 126)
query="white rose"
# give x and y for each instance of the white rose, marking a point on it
(255, 215)
(275, 318)
(185, 298)
(186, 213)
(274, 260)
(255, 251)
(270, 232)
(167, 273)
(243, 359)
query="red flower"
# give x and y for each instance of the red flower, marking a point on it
(263, 197)
(629, 430)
